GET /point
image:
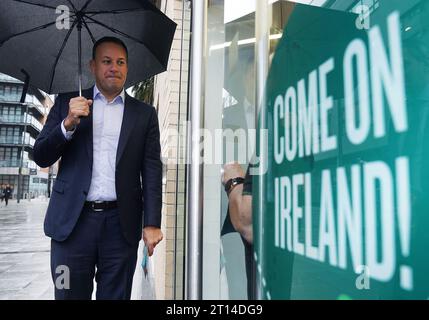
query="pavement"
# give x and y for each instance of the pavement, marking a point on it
(25, 254)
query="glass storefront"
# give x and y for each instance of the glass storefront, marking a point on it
(338, 210)
(229, 115)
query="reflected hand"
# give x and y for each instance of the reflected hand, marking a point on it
(232, 170)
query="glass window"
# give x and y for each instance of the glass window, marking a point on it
(341, 205)
(15, 153)
(10, 92)
(229, 121)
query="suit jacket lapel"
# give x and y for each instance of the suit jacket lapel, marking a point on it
(128, 122)
(87, 127)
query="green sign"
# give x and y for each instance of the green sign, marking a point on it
(343, 209)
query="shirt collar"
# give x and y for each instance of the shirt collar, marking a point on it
(98, 94)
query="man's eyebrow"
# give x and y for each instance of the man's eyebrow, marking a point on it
(120, 58)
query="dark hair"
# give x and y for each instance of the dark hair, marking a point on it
(109, 39)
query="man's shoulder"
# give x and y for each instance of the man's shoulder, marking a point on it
(142, 106)
(63, 98)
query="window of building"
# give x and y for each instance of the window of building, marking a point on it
(8, 153)
(10, 92)
(8, 179)
(9, 133)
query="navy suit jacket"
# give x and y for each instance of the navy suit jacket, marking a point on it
(138, 174)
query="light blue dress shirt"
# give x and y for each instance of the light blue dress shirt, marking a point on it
(107, 122)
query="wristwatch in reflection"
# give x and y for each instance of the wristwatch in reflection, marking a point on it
(231, 183)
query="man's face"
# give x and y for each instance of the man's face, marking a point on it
(110, 68)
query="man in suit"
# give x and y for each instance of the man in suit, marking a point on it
(108, 183)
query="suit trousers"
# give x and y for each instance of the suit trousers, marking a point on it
(95, 248)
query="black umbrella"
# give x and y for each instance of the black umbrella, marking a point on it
(49, 39)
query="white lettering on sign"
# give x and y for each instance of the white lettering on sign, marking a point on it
(349, 217)
(358, 208)
(305, 112)
(308, 117)
(340, 220)
(356, 133)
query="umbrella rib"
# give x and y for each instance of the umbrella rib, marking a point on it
(89, 31)
(120, 33)
(28, 31)
(71, 3)
(118, 11)
(36, 4)
(85, 5)
(145, 6)
(54, 67)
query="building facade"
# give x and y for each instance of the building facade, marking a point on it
(170, 101)
(21, 121)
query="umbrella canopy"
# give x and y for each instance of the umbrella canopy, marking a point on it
(50, 39)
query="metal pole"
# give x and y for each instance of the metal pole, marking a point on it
(262, 53)
(79, 52)
(23, 95)
(21, 183)
(195, 173)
